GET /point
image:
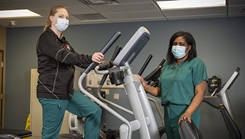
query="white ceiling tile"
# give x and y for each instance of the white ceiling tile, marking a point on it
(82, 9)
(236, 2)
(133, 1)
(124, 7)
(135, 20)
(134, 15)
(197, 16)
(6, 5)
(236, 11)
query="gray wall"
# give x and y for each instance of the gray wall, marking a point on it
(220, 43)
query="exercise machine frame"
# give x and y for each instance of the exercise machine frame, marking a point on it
(144, 119)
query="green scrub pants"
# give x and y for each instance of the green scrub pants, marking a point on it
(172, 113)
(54, 109)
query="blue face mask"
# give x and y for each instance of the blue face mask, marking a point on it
(178, 51)
(61, 24)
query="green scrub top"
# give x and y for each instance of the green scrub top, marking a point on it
(177, 84)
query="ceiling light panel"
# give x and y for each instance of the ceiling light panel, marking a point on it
(17, 13)
(186, 4)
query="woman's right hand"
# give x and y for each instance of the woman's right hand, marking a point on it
(97, 57)
(155, 91)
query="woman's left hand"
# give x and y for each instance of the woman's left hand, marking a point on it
(185, 116)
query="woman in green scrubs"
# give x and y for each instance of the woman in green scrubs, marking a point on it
(183, 82)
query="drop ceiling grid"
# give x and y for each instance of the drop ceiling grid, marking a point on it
(125, 11)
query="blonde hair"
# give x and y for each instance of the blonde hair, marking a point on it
(52, 12)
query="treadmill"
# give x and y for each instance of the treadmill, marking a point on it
(222, 103)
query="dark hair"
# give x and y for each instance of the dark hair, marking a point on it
(189, 39)
(52, 12)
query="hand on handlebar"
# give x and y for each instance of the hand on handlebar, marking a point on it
(97, 57)
(143, 82)
(185, 116)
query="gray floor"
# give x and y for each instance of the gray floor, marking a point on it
(33, 138)
(163, 137)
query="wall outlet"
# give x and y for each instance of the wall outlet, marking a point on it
(116, 96)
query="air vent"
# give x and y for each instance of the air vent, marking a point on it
(98, 2)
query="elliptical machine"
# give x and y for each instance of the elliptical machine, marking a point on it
(144, 121)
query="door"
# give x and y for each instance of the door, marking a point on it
(1, 88)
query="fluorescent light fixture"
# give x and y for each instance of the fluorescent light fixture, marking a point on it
(17, 13)
(184, 4)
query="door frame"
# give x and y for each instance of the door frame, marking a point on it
(1, 88)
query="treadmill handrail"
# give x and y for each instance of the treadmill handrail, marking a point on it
(234, 131)
(223, 91)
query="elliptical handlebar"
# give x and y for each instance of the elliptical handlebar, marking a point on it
(104, 50)
(88, 69)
